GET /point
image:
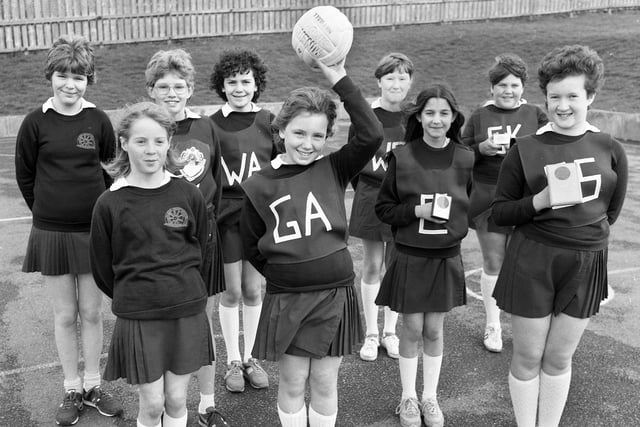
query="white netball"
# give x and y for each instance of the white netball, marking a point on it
(323, 33)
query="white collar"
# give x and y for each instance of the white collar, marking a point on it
(188, 114)
(226, 109)
(48, 105)
(492, 102)
(122, 181)
(549, 128)
(279, 161)
(376, 104)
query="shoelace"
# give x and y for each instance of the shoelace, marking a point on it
(410, 406)
(69, 400)
(431, 407)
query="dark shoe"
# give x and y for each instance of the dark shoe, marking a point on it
(69, 410)
(103, 401)
(254, 373)
(234, 378)
(212, 418)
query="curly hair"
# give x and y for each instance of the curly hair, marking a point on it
(164, 62)
(235, 61)
(414, 128)
(120, 166)
(508, 64)
(71, 53)
(572, 60)
(306, 100)
(391, 62)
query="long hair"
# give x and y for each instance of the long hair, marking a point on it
(71, 53)
(120, 166)
(414, 128)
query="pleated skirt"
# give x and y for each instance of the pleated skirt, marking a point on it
(537, 280)
(213, 263)
(423, 285)
(141, 351)
(308, 324)
(54, 253)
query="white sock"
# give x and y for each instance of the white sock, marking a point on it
(250, 319)
(91, 380)
(553, 397)
(319, 420)
(297, 419)
(408, 373)
(206, 401)
(75, 384)
(524, 397)
(369, 293)
(230, 326)
(390, 320)
(139, 424)
(431, 374)
(487, 284)
(168, 421)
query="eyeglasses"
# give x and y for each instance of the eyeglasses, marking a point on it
(164, 89)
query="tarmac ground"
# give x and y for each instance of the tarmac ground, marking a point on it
(473, 389)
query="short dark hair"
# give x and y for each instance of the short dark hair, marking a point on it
(572, 60)
(391, 62)
(439, 90)
(236, 61)
(508, 64)
(71, 53)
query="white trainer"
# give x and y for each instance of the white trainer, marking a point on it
(369, 350)
(391, 343)
(433, 416)
(493, 338)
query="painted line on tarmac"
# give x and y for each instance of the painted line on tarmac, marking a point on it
(7, 155)
(18, 218)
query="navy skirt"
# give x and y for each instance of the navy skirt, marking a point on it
(141, 351)
(423, 285)
(213, 263)
(54, 253)
(308, 324)
(537, 280)
(364, 222)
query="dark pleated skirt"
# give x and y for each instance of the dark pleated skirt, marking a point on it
(423, 285)
(480, 217)
(214, 263)
(54, 253)
(142, 351)
(364, 222)
(537, 280)
(308, 324)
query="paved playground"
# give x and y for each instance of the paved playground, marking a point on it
(473, 386)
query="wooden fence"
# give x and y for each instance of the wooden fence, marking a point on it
(34, 24)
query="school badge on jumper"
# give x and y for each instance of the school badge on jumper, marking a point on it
(196, 163)
(86, 141)
(176, 218)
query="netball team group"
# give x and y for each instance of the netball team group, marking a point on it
(174, 212)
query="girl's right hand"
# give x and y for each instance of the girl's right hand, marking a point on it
(541, 200)
(334, 72)
(424, 212)
(489, 148)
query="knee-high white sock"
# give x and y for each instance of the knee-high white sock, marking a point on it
(553, 397)
(168, 421)
(369, 293)
(390, 320)
(297, 419)
(250, 319)
(319, 420)
(487, 284)
(524, 397)
(230, 326)
(431, 374)
(408, 373)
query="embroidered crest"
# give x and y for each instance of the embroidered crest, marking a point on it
(196, 163)
(176, 218)
(86, 141)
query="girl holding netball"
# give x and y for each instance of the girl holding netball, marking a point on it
(555, 271)
(149, 234)
(58, 153)
(294, 230)
(506, 115)
(394, 73)
(425, 198)
(246, 141)
(170, 80)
